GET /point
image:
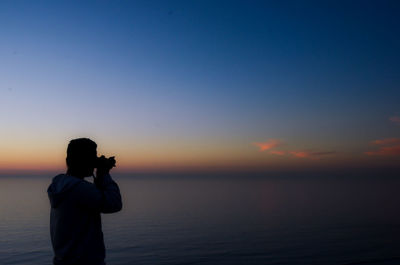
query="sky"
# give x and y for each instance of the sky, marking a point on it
(201, 85)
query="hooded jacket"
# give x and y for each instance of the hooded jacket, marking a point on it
(75, 221)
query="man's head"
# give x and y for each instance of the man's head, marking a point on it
(81, 157)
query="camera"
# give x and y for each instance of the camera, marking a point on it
(103, 162)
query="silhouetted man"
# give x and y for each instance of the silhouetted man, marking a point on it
(76, 204)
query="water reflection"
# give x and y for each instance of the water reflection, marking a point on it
(210, 221)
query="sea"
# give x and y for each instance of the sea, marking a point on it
(220, 220)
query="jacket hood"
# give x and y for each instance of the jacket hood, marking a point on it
(61, 185)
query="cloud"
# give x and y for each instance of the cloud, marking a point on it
(299, 154)
(304, 154)
(385, 151)
(387, 147)
(277, 152)
(395, 119)
(387, 141)
(271, 143)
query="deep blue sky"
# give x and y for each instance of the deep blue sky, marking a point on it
(200, 76)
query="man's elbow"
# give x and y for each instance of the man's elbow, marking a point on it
(115, 207)
(118, 207)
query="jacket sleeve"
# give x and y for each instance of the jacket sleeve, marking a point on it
(103, 197)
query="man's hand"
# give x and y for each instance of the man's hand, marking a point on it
(104, 165)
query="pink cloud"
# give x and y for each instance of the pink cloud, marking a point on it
(386, 141)
(271, 143)
(387, 147)
(385, 151)
(299, 154)
(277, 152)
(395, 119)
(304, 154)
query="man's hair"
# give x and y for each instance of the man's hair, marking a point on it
(78, 149)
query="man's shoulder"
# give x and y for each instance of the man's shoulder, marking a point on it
(64, 180)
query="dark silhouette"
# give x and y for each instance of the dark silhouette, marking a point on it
(76, 204)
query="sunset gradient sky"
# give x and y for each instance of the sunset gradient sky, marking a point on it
(201, 85)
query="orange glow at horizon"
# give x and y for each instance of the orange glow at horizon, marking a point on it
(187, 155)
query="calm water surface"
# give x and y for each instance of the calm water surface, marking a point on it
(221, 221)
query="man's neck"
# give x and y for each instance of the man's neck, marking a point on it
(76, 174)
